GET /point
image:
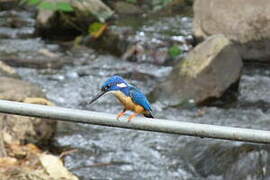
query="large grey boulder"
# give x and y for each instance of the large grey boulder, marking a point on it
(245, 22)
(21, 128)
(227, 160)
(206, 72)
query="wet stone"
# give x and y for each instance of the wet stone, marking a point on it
(16, 24)
(32, 53)
(249, 29)
(20, 128)
(145, 40)
(206, 72)
(17, 46)
(230, 161)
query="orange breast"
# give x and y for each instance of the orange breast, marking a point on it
(128, 103)
(125, 100)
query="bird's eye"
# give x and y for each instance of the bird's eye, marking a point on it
(106, 87)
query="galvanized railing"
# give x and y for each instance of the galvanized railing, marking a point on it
(156, 125)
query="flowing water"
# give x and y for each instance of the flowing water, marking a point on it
(114, 153)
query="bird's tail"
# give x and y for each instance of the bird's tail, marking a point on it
(149, 115)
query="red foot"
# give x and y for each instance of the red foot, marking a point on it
(132, 117)
(120, 115)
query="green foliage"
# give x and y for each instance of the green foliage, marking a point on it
(53, 6)
(63, 6)
(131, 1)
(32, 2)
(46, 5)
(174, 51)
(96, 29)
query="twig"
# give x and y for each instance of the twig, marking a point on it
(67, 152)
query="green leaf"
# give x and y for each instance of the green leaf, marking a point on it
(94, 27)
(33, 2)
(30, 2)
(175, 51)
(47, 6)
(97, 29)
(131, 1)
(63, 6)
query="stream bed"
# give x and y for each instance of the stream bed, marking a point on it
(106, 153)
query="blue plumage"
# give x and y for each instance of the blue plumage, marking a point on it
(136, 95)
(113, 81)
(131, 97)
(111, 85)
(139, 98)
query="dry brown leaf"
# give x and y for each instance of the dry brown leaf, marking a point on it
(17, 150)
(38, 101)
(33, 148)
(98, 32)
(55, 168)
(8, 161)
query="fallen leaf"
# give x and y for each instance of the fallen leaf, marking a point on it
(38, 101)
(55, 168)
(8, 161)
(33, 148)
(97, 29)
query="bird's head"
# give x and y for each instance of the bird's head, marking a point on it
(115, 83)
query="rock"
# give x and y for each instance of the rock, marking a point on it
(55, 168)
(112, 36)
(7, 71)
(8, 4)
(28, 162)
(41, 62)
(85, 12)
(43, 18)
(16, 24)
(149, 43)
(206, 72)
(175, 7)
(20, 128)
(248, 28)
(256, 158)
(94, 7)
(242, 161)
(17, 90)
(125, 8)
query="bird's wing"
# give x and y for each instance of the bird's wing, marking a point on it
(139, 98)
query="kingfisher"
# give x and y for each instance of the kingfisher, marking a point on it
(130, 96)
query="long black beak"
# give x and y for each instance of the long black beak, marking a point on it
(97, 96)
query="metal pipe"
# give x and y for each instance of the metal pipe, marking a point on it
(157, 125)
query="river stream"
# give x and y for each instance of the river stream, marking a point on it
(114, 153)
